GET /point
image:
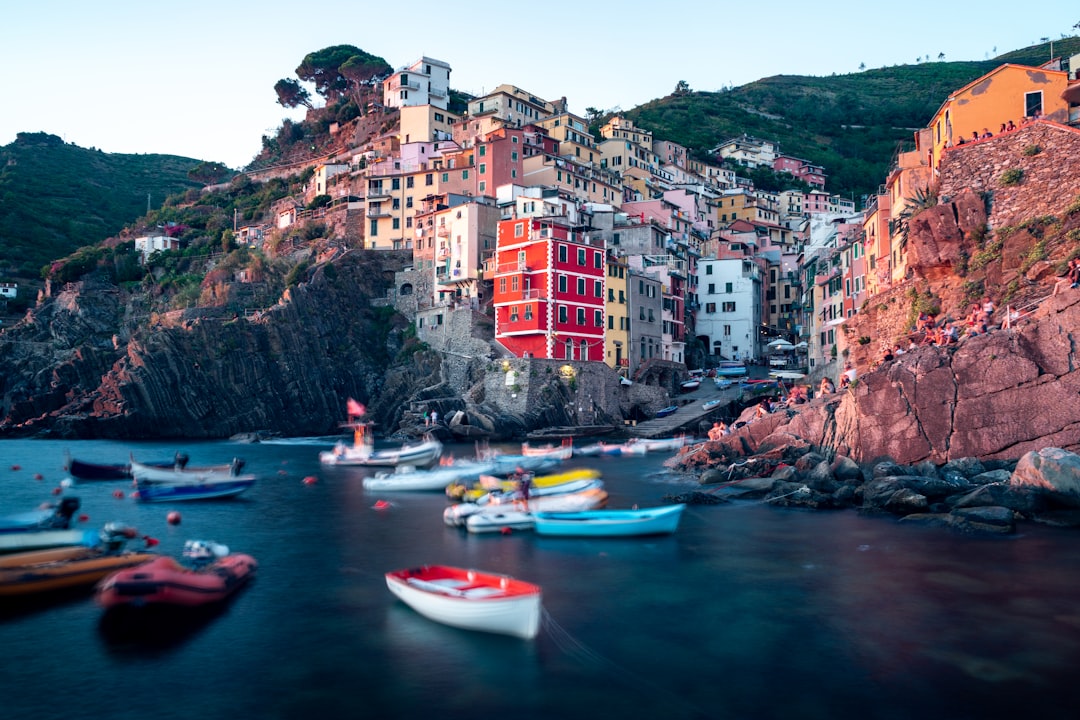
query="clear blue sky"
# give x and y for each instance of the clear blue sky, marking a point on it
(196, 78)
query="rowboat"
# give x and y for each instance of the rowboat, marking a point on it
(51, 517)
(731, 368)
(657, 444)
(407, 477)
(210, 489)
(41, 571)
(505, 464)
(15, 542)
(499, 496)
(470, 599)
(214, 575)
(363, 452)
(690, 385)
(665, 411)
(712, 404)
(600, 448)
(562, 452)
(457, 515)
(458, 491)
(182, 472)
(660, 520)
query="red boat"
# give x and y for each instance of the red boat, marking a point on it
(214, 575)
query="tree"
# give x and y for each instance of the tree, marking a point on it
(291, 93)
(322, 68)
(941, 57)
(682, 88)
(209, 173)
(862, 66)
(363, 72)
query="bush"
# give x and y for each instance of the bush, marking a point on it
(1032, 150)
(1012, 176)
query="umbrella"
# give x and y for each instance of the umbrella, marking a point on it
(801, 345)
(780, 344)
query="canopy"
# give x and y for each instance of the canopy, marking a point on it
(780, 344)
(801, 345)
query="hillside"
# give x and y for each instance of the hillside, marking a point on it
(56, 197)
(853, 125)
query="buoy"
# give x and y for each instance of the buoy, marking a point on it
(173, 518)
(57, 490)
(381, 505)
(310, 480)
(119, 494)
(39, 476)
(282, 473)
(150, 541)
(16, 467)
(505, 531)
(84, 517)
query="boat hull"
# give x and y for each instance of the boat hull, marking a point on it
(176, 474)
(180, 491)
(165, 582)
(42, 539)
(62, 568)
(458, 515)
(364, 456)
(424, 480)
(470, 599)
(492, 522)
(662, 520)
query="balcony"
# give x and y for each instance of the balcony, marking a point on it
(377, 193)
(442, 231)
(511, 267)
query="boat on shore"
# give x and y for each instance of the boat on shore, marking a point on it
(470, 599)
(194, 489)
(666, 411)
(731, 368)
(657, 444)
(214, 575)
(690, 385)
(662, 520)
(44, 571)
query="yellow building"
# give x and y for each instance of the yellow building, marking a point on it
(617, 310)
(1009, 93)
(573, 135)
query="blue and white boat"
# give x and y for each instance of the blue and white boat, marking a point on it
(731, 368)
(193, 490)
(662, 520)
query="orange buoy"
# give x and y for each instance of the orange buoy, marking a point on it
(381, 505)
(150, 541)
(173, 518)
(310, 480)
(119, 494)
(506, 531)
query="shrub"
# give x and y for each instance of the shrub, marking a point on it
(1035, 254)
(1074, 207)
(1012, 176)
(1032, 149)
(864, 340)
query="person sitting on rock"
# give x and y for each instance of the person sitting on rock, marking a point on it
(827, 387)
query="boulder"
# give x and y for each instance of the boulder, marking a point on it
(969, 467)
(992, 519)
(845, 469)
(1053, 470)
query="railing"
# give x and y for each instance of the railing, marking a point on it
(511, 267)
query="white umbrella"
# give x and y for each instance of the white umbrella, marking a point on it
(780, 344)
(801, 345)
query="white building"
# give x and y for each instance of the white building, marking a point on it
(425, 82)
(151, 244)
(730, 294)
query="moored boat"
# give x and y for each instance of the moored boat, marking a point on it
(41, 571)
(564, 451)
(182, 472)
(660, 520)
(470, 599)
(363, 453)
(457, 515)
(409, 478)
(82, 470)
(487, 484)
(209, 489)
(49, 517)
(214, 575)
(46, 527)
(658, 444)
(506, 519)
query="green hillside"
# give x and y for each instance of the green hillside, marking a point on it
(56, 198)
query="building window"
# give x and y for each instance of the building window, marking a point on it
(519, 230)
(515, 283)
(581, 286)
(598, 260)
(395, 184)
(581, 316)
(513, 314)
(562, 253)
(528, 312)
(598, 318)
(1033, 104)
(446, 177)
(712, 289)
(728, 307)
(598, 288)
(728, 288)
(409, 182)
(374, 228)
(708, 269)
(727, 330)
(464, 174)
(482, 187)
(581, 257)
(429, 179)
(562, 313)
(483, 148)
(483, 168)
(502, 286)
(562, 283)
(397, 223)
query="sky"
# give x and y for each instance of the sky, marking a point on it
(196, 78)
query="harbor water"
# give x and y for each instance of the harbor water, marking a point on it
(747, 611)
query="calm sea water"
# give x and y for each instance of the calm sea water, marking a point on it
(746, 612)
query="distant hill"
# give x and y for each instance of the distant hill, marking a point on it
(56, 197)
(853, 125)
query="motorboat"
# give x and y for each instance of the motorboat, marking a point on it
(82, 470)
(657, 444)
(457, 515)
(500, 496)
(213, 575)
(537, 484)
(600, 448)
(470, 599)
(660, 520)
(73, 566)
(182, 472)
(46, 527)
(194, 489)
(47, 517)
(731, 368)
(409, 478)
(363, 453)
(502, 521)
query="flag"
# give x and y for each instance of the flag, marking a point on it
(354, 409)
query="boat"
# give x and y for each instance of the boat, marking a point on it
(407, 477)
(182, 472)
(500, 496)
(470, 599)
(48, 517)
(657, 444)
(363, 452)
(505, 464)
(660, 520)
(82, 470)
(563, 451)
(506, 519)
(47, 527)
(690, 385)
(457, 515)
(487, 484)
(600, 448)
(195, 489)
(665, 411)
(214, 575)
(731, 368)
(41, 571)
(712, 404)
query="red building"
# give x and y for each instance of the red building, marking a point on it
(548, 290)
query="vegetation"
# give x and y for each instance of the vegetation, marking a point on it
(1012, 176)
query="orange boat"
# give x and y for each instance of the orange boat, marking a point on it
(214, 575)
(41, 571)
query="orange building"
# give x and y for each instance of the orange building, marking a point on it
(548, 290)
(1009, 93)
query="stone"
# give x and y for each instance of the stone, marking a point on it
(969, 467)
(992, 519)
(845, 469)
(1051, 469)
